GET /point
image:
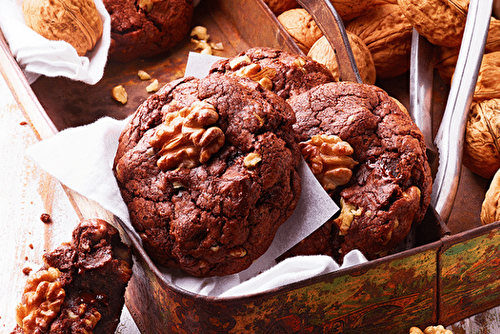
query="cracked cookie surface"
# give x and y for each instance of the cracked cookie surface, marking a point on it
(217, 216)
(391, 185)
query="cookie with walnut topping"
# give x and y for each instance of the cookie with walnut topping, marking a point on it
(208, 170)
(390, 186)
(81, 287)
(281, 72)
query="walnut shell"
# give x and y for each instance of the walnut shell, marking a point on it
(482, 138)
(74, 21)
(490, 209)
(387, 34)
(446, 58)
(488, 85)
(349, 9)
(280, 6)
(301, 27)
(442, 22)
(323, 53)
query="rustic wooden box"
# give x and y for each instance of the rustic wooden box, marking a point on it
(448, 275)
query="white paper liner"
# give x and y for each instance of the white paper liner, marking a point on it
(37, 55)
(81, 158)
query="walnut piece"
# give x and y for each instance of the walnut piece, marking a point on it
(75, 21)
(186, 139)
(439, 329)
(41, 301)
(255, 72)
(347, 214)
(143, 75)
(329, 159)
(118, 93)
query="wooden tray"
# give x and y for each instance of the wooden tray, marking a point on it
(369, 298)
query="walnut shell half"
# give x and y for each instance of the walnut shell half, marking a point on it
(74, 21)
(482, 138)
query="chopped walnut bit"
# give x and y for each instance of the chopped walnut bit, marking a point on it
(261, 75)
(347, 214)
(186, 138)
(90, 317)
(119, 94)
(431, 330)
(41, 301)
(217, 46)
(238, 252)
(300, 62)
(203, 46)
(143, 75)
(252, 159)
(45, 218)
(328, 158)
(200, 33)
(239, 61)
(146, 5)
(153, 87)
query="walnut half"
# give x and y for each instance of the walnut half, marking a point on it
(41, 301)
(186, 139)
(328, 157)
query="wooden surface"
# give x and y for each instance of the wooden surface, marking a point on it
(26, 193)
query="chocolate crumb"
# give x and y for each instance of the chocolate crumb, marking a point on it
(45, 217)
(27, 270)
(23, 123)
(30, 246)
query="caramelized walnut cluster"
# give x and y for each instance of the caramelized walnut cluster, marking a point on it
(186, 139)
(328, 156)
(41, 301)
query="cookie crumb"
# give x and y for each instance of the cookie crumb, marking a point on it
(27, 271)
(30, 246)
(45, 218)
(23, 123)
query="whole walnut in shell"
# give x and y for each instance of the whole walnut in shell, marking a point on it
(482, 138)
(442, 22)
(387, 34)
(74, 21)
(301, 27)
(323, 53)
(488, 85)
(490, 209)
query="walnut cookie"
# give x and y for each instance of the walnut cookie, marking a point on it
(207, 168)
(81, 287)
(391, 181)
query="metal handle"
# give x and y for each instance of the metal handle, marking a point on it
(450, 136)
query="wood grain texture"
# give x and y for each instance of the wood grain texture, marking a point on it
(26, 193)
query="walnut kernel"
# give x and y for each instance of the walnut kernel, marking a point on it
(152, 87)
(119, 94)
(200, 33)
(143, 75)
(329, 159)
(347, 214)
(252, 159)
(256, 73)
(41, 301)
(75, 21)
(186, 139)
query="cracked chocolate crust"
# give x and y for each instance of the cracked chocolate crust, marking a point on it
(145, 31)
(218, 217)
(391, 186)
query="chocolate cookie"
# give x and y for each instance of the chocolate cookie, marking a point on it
(382, 152)
(144, 29)
(207, 168)
(82, 285)
(281, 72)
